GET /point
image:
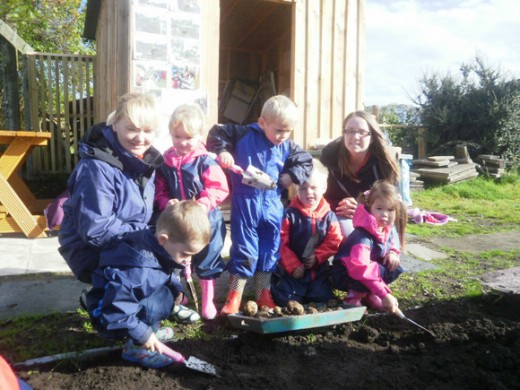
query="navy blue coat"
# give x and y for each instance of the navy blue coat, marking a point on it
(132, 268)
(111, 192)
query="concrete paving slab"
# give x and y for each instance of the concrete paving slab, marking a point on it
(411, 264)
(423, 253)
(505, 281)
(481, 242)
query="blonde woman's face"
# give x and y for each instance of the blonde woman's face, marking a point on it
(356, 135)
(134, 139)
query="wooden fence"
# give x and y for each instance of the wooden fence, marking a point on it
(60, 90)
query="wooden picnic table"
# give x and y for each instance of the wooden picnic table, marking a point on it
(20, 211)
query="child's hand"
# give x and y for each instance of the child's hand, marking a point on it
(153, 344)
(171, 202)
(390, 303)
(285, 180)
(226, 160)
(310, 262)
(298, 272)
(391, 260)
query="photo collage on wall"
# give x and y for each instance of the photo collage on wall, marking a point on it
(167, 54)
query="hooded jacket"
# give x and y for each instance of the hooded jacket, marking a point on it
(111, 193)
(364, 248)
(195, 176)
(299, 224)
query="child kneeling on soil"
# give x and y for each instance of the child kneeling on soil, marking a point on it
(368, 259)
(135, 288)
(310, 235)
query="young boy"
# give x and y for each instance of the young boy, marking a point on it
(189, 172)
(310, 236)
(134, 287)
(256, 214)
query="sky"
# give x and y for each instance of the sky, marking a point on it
(406, 39)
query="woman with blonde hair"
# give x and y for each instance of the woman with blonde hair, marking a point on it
(355, 161)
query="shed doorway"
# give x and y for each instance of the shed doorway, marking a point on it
(255, 56)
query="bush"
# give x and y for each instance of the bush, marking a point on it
(482, 110)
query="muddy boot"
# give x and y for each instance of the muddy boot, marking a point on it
(354, 298)
(234, 297)
(209, 311)
(262, 283)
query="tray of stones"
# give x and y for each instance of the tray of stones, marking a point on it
(287, 323)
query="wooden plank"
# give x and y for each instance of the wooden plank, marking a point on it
(14, 39)
(26, 222)
(324, 98)
(298, 59)
(440, 158)
(337, 110)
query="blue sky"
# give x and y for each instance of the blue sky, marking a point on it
(408, 38)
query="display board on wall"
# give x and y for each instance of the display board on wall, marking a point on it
(166, 58)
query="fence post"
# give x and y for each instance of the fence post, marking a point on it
(421, 142)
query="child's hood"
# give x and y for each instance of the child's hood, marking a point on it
(363, 219)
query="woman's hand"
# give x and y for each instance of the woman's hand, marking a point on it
(346, 208)
(285, 180)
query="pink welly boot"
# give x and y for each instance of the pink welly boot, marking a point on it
(373, 302)
(209, 311)
(354, 298)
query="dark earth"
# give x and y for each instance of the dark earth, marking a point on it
(476, 346)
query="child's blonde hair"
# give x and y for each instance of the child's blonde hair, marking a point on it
(320, 171)
(387, 191)
(140, 108)
(186, 222)
(282, 109)
(191, 117)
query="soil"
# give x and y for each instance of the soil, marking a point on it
(476, 345)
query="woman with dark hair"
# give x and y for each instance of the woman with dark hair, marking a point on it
(356, 160)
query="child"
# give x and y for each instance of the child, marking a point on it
(256, 214)
(304, 271)
(189, 173)
(134, 287)
(368, 259)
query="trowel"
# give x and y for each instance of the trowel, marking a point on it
(254, 177)
(192, 362)
(400, 314)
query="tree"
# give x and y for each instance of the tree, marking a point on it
(481, 109)
(51, 26)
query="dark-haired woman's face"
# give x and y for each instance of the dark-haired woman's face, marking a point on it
(356, 135)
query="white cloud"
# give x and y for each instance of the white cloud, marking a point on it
(407, 38)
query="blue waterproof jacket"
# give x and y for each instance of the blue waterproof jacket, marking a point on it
(132, 268)
(111, 193)
(256, 214)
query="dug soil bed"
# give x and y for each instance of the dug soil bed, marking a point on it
(476, 346)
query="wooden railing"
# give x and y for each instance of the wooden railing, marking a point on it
(60, 94)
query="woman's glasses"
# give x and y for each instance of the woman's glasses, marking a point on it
(352, 133)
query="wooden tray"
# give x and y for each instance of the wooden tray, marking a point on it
(290, 323)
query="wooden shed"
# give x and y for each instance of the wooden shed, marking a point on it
(231, 52)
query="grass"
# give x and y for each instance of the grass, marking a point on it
(479, 205)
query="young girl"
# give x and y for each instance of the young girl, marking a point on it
(368, 260)
(190, 173)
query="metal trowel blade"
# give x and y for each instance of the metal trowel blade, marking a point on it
(202, 366)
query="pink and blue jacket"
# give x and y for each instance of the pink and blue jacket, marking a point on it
(361, 254)
(195, 176)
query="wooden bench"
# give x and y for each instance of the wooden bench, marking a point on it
(20, 211)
